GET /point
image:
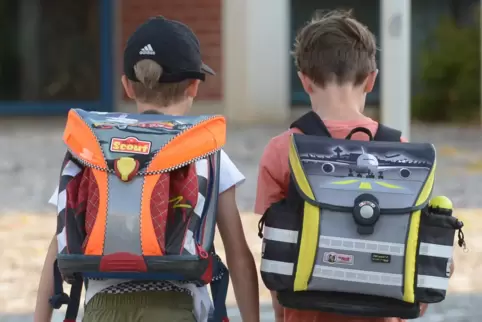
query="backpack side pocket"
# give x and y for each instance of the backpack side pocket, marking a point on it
(437, 232)
(280, 246)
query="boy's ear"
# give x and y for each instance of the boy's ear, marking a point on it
(370, 81)
(307, 83)
(193, 87)
(128, 87)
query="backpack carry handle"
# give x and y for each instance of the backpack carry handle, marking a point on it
(360, 129)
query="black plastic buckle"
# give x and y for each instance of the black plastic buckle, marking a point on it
(58, 300)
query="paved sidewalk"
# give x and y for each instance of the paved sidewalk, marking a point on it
(33, 151)
(20, 269)
(30, 164)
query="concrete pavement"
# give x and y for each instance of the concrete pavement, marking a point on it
(32, 151)
(29, 165)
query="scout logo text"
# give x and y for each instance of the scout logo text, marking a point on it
(130, 145)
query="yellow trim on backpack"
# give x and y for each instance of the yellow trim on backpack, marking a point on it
(308, 246)
(311, 224)
(427, 187)
(300, 178)
(412, 240)
(411, 258)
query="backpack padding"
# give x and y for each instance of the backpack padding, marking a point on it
(387, 134)
(311, 124)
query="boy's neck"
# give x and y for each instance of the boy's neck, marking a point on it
(339, 103)
(174, 109)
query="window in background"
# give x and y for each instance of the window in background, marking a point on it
(50, 50)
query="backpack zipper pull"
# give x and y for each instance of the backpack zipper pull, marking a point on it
(201, 252)
(461, 237)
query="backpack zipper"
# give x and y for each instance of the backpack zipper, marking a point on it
(147, 173)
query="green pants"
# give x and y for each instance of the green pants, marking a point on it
(142, 306)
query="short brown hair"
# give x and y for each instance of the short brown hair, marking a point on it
(335, 47)
(149, 90)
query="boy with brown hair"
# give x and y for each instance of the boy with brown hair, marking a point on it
(162, 73)
(335, 58)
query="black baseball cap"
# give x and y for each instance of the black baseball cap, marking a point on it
(171, 44)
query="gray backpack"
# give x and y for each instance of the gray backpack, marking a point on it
(358, 232)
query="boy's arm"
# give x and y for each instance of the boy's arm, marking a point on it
(43, 310)
(270, 187)
(238, 256)
(279, 311)
(270, 190)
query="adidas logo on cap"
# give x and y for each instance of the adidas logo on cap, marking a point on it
(147, 50)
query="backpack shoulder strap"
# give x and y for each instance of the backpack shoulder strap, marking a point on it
(385, 133)
(311, 124)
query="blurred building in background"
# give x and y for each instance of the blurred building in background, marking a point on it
(61, 54)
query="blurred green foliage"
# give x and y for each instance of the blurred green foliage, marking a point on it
(450, 75)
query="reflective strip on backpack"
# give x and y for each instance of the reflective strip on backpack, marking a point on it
(356, 276)
(277, 267)
(362, 246)
(434, 282)
(435, 250)
(358, 245)
(281, 235)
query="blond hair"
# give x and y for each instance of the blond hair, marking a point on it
(149, 90)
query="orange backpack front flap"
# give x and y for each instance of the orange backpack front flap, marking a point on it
(134, 187)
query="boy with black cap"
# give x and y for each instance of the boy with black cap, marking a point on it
(162, 72)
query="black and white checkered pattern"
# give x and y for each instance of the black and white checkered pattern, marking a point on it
(158, 286)
(145, 286)
(202, 172)
(69, 171)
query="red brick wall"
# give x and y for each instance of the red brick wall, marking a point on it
(203, 16)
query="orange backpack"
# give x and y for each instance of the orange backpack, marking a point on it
(137, 200)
